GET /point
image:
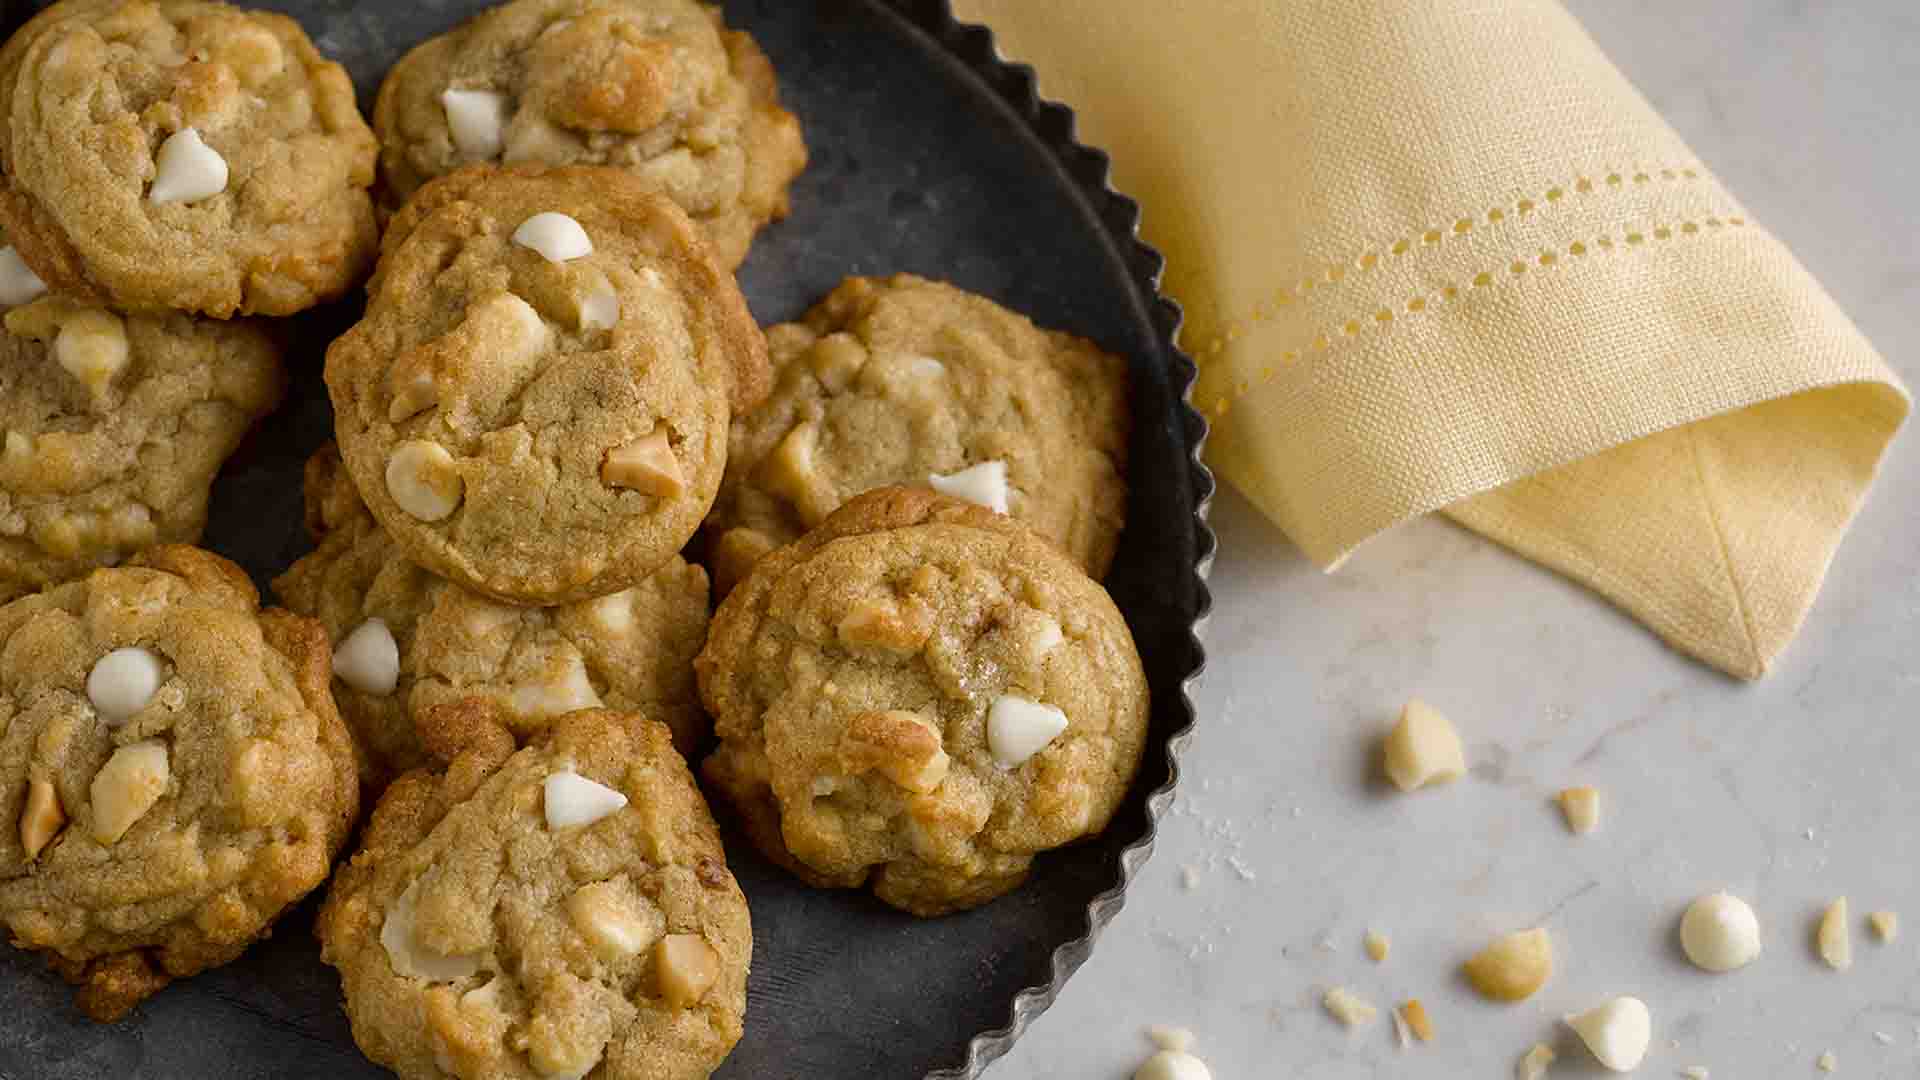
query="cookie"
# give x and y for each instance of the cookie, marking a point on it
(112, 428)
(658, 87)
(551, 911)
(902, 380)
(919, 696)
(536, 402)
(172, 772)
(183, 154)
(407, 640)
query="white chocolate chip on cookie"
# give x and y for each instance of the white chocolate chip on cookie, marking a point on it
(122, 682)
(127, 786)
(187, 170)
(413, 960)
(599, 305)
(984, 484)
(557, 237)
(369, 659)
(18, 283)
(646, 465)
(686, 967)
(1018, 728)
(415, 390)
(789, 472)
(422, 478)
(572, 799)
(42, 819)
(476, 119)
(617, 923)
(92, 347)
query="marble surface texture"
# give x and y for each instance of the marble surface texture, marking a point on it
(1284, 850)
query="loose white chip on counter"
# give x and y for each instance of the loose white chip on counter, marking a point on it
(1348, 1007)
(1835, 937)
(1423, 748)
(1720, 932)
(1536, 1062)
(187, 170)
(413, 960)
(557, 237)
(1018, 728)
(1617, 1032)
(423, 480)
(1581, 806)
(1885, 925)
(476, 119)
(369, 659)
(572, 799)
(122, 682)
(1173, 1065)
(18, 283)
(127, 786)
(984, 484)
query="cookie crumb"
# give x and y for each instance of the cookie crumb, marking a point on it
(1834, 937)
(1885, 926)
(1189, 878)
(1581, 807)
(1349, 1008)
(1534, 1065)
(1378, 945)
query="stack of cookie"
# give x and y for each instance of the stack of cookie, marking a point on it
(556, 389)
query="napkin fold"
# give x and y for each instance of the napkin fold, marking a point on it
(1440, 255)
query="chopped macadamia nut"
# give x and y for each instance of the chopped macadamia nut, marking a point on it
(408, 957)
(1581, 806)
(42, 819)
(187, 170)
(1617, 1032)
(1514, 967)
(598, 307)
(687, 967)
(835, 360)
(122, 682)
(127, 786)
(615, 921)
(91, 345)
(18, 283)
(1535, 1064)
(1885, 925)
(646, 465)
(903, 746)
(1720, 932)
(565, 689)
(1423, 749)
(1415, 1014)
(1349, 1008)
(476, 119)
(368, 659)
(1835, 937)
(1377, 945)
(424, 481)
(789, 472)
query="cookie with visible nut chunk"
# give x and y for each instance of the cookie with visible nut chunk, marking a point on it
(112, 428)
(536, 402)
(902, 380)
(407, 640)
(657, 87)
(173, 774)
(919, 696)
(183, 154)
(559, 909)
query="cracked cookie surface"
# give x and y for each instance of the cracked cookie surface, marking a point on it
(555, 910)
(536, 402)
(631, 650)
(112, 429)
(659, 87)
(172, 772)
(901, 380)
(183, 154)
(918, 696)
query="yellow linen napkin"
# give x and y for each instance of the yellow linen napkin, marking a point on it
(1441, 255)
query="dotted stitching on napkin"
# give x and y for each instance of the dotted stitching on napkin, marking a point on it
(1486, 279)
(1264, 310)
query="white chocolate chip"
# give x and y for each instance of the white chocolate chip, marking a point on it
(557, 237)
(1720, 932)
(122, 682)
(1018, 728)
(1581, 807)
(1836, 937)
(789, 472)
(485, 997)
(599, 305)
(1423, 749)
(92, 347)
(572, 799)
(412, 960)
(984, 484)
(127, 786)
(1173, 1065)
(566, 690)
(476, 119)
(646, 465)
(612, 614)
(1348, 1007)
(1885, 925)
(42, 818)
(422, 478)
(18, 283)
(1617, 1032)
(369, 659)
(1513, 967)
(1049, 637)
(686, 967)
(613, 920)
(926, 367)
(1170, 1038)
(414, 391)
(1536, 1062)
(187, 170)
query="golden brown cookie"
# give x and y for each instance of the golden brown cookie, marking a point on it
(902, 380)
(172, 772)
(553, 911)
(536, 402)
(658, 87)
(183, 154)
(406, 640)
(112, 428)
(919, 695)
